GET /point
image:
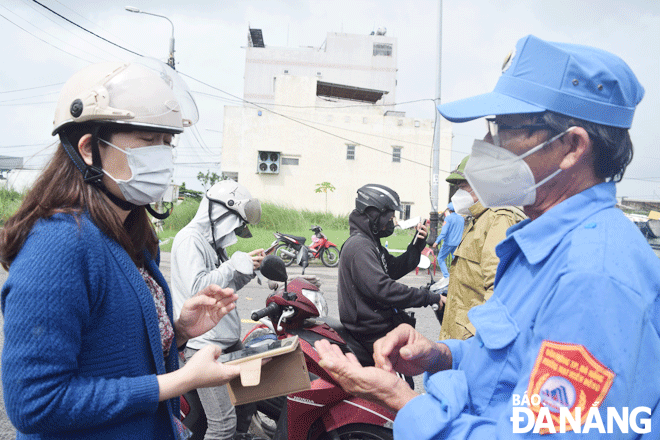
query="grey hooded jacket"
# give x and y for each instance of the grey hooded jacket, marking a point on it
(194, 263)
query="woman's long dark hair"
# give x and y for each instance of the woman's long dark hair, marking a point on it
(60, 189)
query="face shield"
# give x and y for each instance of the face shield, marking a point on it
(189, 111)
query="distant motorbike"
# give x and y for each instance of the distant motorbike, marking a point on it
(287, 247)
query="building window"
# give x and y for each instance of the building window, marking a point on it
(290, 161)
(405, 215)
(382, 49)
(396, 154)
(350, 152)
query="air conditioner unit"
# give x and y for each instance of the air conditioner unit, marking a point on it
(268, 162)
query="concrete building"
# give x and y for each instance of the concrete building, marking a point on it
(326, 114)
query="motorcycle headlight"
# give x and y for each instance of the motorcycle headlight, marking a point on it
(317, 298)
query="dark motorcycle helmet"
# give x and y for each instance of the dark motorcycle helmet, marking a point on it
(377, 196)
(378, 203)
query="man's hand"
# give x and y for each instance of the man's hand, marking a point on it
(408, 352)
(369, 383)
(422, 231)
(257, 256)
(203, 311)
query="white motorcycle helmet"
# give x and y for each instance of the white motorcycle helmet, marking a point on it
(129, 94)
(238, 201)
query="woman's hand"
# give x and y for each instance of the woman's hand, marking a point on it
(203, 311)
(257, 256)
(201, 371)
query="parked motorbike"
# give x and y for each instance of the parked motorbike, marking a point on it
(325, 411)
(287, 247)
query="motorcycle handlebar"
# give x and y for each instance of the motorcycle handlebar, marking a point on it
(270, 309)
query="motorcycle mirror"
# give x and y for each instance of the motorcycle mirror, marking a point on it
(273, 268)
(302, 258)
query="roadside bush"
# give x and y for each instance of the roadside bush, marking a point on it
(10, 200)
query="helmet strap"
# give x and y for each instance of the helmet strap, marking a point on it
(93, 174)
(220, 251)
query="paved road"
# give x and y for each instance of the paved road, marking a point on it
(253, 297)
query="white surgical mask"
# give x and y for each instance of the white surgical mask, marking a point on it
(462, 200)
(500, 178)
(151, 167)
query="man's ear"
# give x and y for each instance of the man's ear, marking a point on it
(85, 148)
(578, 147)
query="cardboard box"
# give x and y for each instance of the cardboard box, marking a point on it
(283, 374)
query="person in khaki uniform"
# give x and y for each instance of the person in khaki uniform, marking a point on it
(472, 272)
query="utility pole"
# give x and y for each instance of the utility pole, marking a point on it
(435, 171)
(170, 60)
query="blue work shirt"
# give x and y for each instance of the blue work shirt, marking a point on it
(577, 299)
(452, 230)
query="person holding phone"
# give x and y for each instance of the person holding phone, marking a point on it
(90, 348)
(371, 301)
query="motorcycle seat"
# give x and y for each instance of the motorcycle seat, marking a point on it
(300, 240)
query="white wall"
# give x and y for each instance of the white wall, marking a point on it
(344, 59)
(308, 129)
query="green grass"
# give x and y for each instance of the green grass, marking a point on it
(273, 218)
(9, 202)
(276, 219)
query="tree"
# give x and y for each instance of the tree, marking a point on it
(324, 188)
(185, 192)
(209, 179)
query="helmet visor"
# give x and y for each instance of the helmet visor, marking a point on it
(252, 211)
(184, 97)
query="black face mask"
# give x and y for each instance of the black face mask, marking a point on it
(389, 230)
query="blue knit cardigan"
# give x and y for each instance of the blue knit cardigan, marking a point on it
(82, 346)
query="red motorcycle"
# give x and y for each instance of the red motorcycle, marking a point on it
(287, 247)
(325, 411)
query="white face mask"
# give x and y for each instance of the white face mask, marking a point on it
(500, 178)
(151, 167)
(462, 200)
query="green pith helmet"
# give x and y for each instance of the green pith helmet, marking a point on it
(458, 175)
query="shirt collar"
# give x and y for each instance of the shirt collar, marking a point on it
(536, 239)
(477, 209)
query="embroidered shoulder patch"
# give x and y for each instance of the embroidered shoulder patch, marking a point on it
(567, 375)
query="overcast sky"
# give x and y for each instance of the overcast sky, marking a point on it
(41, 50)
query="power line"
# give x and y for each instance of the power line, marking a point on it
(50, 44)
(67, 30)
(86, 30)
(233, 96)
(32, 88)
(326, 125)
(301, 123)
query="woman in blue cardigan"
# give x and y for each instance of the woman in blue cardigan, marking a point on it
(90, 346)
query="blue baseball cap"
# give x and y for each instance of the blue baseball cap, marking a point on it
(577, 81)
(450, 206)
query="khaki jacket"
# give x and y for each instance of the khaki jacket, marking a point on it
(472, 272)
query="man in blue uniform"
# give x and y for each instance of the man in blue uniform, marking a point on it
(570, 339)
(450, 235)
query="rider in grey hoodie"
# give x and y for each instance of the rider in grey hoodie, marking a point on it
(199, 258)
